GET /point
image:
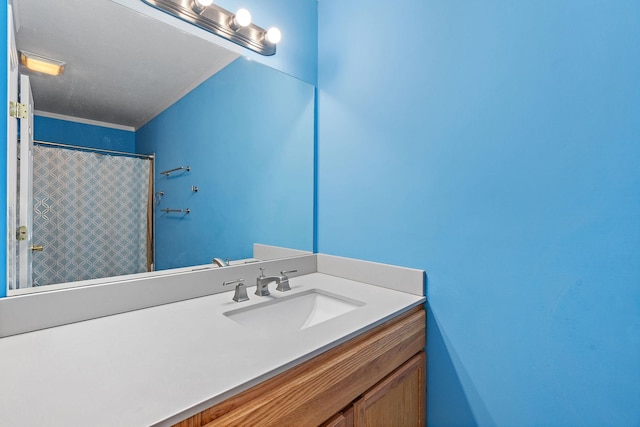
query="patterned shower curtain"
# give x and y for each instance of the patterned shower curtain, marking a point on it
(90, 214)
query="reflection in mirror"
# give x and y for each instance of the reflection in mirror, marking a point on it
(136, 85)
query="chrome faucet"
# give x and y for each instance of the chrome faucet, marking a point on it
(262, 283)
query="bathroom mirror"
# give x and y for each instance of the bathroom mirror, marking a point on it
(236, 136)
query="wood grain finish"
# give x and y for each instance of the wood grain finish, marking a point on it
(314, 391)
(397, 401)
(343, 419)
(195, 421)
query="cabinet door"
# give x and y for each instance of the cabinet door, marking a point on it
(399, 400)
(343, 419)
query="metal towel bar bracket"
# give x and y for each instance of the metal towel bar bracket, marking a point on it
(176, 210)
(170, 171)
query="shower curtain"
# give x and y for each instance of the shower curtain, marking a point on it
(90, 214)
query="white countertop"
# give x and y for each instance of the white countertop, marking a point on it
(162, 364)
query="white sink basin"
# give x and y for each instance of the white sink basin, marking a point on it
(294, 312)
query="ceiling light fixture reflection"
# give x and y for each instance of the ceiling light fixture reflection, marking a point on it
(41, 64)
(236, 27)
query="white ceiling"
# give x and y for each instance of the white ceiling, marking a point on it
(122, 67)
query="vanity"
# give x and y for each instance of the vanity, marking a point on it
(343, 347)
(177, 344)
(377, 378)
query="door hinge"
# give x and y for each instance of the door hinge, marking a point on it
(22, 233)
(18, 110)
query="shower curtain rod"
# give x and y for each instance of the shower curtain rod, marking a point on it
(97, 150)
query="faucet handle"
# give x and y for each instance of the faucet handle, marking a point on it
(241, 290)
(284, 273)
(219, 262)
(261, 272)
(283, 285)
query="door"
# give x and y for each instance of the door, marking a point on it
(12, 155)
(19, 169)
(25, 182)
(397, 401)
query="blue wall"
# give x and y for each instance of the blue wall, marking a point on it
(495, 145)
(83, 135)
(247, 134)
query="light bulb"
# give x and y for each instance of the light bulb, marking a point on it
(199, 6)
(203, 3)
(242, 18)
(273, 35)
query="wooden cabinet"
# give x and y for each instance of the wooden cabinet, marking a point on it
(398, 400)
(377, 378)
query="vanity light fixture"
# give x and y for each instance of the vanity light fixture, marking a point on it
(41, 64)
(219, 21)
